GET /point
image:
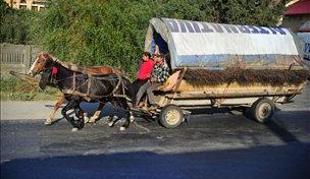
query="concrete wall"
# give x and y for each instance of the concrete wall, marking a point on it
(16, 57)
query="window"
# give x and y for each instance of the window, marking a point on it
(34, 8)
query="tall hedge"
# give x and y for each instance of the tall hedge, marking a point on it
(112, 32)
(16, 25)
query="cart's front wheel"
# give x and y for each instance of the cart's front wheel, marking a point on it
(171, 116)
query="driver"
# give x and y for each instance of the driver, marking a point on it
(143, 75)
(160, 74)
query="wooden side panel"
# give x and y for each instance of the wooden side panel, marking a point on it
(188, 90)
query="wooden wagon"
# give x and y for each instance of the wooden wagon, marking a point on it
(225, 66)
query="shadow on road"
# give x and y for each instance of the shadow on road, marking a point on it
(281, 132)
(276, 125)
(279, 128)
(287, 161)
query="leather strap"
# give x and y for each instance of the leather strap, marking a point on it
(74, 81)
(89, 84)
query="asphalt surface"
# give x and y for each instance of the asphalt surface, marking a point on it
(218, 145)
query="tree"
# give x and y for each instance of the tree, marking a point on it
(15, 25)
(112, 32)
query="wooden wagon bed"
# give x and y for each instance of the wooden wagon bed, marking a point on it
(182, 91)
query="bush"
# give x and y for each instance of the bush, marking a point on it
(14, 89)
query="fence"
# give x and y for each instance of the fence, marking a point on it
(17, 57)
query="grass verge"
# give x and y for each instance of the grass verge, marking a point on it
(15, 89)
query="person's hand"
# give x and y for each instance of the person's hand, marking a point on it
(156, 50)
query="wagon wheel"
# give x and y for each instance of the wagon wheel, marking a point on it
(171, 116)
(262, 110)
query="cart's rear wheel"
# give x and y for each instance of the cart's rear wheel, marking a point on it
(262, 110)
(171, 116)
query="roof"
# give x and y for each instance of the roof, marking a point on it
(299, 8)
(216, 46)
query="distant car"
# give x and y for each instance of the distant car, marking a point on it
(305, 36)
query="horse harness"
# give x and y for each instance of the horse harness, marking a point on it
(87, 96)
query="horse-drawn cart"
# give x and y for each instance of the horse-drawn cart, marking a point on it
(221, 65)
(213, 65)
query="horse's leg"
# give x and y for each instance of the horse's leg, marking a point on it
(97, 113)
(80, 115)
(64, 111)
(58, 104)
(72, 104)
(79, 112)
(126, 124)
(113, 120)
(112, 117)
(129, 117)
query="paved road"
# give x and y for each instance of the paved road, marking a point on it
(208, 146)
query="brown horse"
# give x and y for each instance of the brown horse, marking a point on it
(82, 86)
(39, 65)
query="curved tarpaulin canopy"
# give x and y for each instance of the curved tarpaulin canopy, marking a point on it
(218, 46)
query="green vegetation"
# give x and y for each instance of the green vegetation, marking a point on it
(16, 26)
(112, 32)
(15, 89)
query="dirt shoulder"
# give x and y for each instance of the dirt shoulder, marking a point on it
(34, 110)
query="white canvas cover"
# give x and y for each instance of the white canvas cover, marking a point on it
(216, 46)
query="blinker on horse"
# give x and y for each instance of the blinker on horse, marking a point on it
(82, 86)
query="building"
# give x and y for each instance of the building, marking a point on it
(297, 18)
(35, 5)
(296, 15)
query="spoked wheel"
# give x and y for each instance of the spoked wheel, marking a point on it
(171, 116)
(262, 110)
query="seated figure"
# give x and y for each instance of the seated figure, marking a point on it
(144, 73)
(159, 75)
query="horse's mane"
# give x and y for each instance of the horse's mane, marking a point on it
(69, 65)
(82, 69)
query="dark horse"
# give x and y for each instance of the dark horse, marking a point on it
(81, 86)
(38, 67)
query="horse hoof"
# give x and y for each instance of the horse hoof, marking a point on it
(92, 119)
(74, 129)
(48, 123)
(132, 118)
(86, 120)
(110, 124)
(122, 128)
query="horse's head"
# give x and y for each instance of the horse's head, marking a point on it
(42, 62)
